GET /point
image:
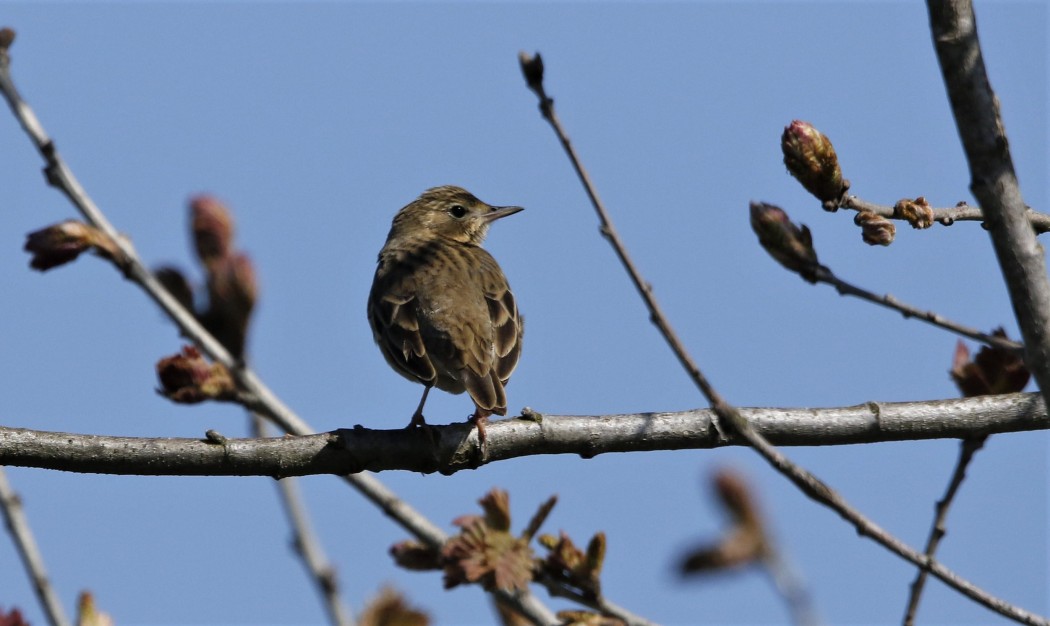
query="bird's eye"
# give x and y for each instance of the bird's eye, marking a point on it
(457, 211)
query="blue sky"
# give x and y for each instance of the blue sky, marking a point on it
(315, 122)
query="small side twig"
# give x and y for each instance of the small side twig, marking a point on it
(945, 216)
(32, 560)
(967, 449)
(532, 67)
(306, 544)
(826, 276)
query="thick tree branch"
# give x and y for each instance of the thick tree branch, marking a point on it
(452, 448)
(993, 180)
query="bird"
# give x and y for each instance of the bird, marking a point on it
(440, 308)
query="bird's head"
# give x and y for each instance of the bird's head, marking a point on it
(449, 212)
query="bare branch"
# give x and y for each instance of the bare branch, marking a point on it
(992, 177)
(452, 448)
(824, 275)
(32, 560)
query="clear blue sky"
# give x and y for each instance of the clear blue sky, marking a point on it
(316, 122)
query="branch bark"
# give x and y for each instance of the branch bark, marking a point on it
(448, 449)
(992, 177)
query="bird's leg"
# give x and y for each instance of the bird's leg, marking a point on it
(417, 417)
(480, 419)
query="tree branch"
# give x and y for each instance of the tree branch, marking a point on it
(825, 275)
(992, 177)
(22, 535)
(945, 216)
(452, 448)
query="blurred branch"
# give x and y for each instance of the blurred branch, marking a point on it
(967, 449)
(257, 396)
(32, 560)
(452, 448)
(993, 181)
(306, 544)
(792, 589)
(728, 415)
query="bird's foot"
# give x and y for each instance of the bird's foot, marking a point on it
(481, 421)
(417, 420)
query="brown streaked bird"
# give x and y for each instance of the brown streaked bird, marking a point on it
(440, 307)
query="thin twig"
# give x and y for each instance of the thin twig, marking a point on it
(945, 216)
(993, 180)
(967, 448)
(825, 275)
(730, 416)
(306, 544)
(449, 449)
(32, 560)
(645, 290)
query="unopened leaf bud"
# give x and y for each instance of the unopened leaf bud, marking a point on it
(7, 37)
(212, 227)
(875, 229)
(177, 285)
(532, 68)
(63, 242)
(496, 505)
(735, 495)
(188, 378)
(413, 555)
(788, 244)
(994, 370)
(811, 159)
(58, 244)
(917, 212)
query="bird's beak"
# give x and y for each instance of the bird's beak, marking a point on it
(500, 211)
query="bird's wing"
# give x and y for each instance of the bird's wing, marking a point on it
(507, 325)
(396, 331)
